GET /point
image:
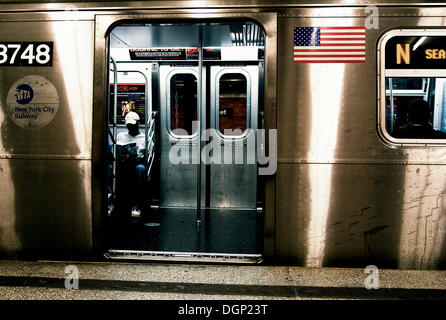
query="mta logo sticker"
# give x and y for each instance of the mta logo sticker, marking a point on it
(24, 94)
(32, 102)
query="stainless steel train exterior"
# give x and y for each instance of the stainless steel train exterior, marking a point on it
(342, 195)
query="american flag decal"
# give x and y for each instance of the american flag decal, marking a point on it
(329, 44)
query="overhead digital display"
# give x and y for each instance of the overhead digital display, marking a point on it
(416, 52)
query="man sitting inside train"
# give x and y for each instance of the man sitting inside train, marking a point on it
(132, 170)
(418, 124)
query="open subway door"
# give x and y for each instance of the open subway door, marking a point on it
(204, 82)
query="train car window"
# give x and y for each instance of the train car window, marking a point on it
(183, 103)
(406, 84)
(232, 104)
(412, 83)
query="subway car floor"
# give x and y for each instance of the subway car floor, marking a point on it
(171, 229)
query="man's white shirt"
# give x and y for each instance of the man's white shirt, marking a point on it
(125, 138)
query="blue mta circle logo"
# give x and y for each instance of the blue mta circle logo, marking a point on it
(24, 94)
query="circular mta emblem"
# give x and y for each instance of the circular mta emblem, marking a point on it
(32, 102)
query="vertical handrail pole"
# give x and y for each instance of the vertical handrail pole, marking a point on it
(391, 104)
(115, 111)
(199, 110)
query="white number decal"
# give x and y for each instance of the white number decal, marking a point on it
(25, 53)
(43, 50)
(3, 53)
(17, 48)
(28, 54)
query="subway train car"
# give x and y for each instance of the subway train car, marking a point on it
(309, 134)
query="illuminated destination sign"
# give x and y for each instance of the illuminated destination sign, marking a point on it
(416, 52)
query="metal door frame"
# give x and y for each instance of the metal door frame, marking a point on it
(104, 23)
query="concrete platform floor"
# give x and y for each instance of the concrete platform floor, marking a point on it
(45, 280)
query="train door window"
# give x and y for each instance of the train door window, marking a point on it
(412, 83)
(183, 104)
(232, 107)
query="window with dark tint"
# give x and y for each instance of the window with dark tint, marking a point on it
(232, 111)
(406, 83)
(183, 102)
(415, 108)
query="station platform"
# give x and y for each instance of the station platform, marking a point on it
(46, 280)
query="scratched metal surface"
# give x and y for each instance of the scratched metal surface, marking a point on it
(342, 196)
(45, 172)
